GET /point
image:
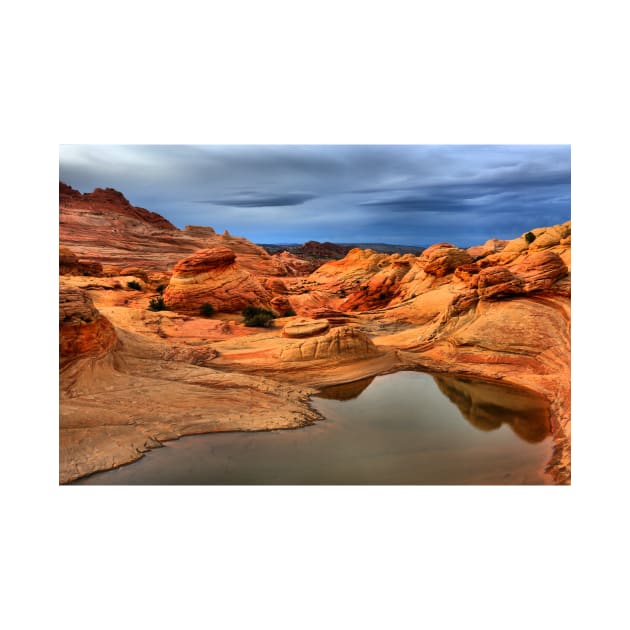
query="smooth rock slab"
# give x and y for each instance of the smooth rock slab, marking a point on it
(306, 328)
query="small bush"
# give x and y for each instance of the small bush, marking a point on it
(530, 237)
(160, 288)
(289, 312)
(382, 296)
(256, 317)
(157, 304)
(136, 286)
(206, 310)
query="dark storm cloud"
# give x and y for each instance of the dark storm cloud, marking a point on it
(251, 200)
(402, 193)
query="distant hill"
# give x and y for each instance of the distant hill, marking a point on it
(314, 250)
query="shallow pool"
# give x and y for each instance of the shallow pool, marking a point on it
(402, 428)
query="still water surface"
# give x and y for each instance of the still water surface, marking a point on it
(402, 428)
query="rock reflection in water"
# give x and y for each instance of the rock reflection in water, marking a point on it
(487, 406)
(347, 391)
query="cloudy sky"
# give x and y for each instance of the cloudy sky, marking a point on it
(403, 194)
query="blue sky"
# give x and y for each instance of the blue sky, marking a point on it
(403, 194)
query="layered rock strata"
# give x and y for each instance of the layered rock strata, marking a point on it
(212, 276)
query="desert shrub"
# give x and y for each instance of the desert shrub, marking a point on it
(382, 296)
(160, 288)
(136, 286)
(257, 317)
(206, 310)
(530, 237)
(289, 312)
(157, 304)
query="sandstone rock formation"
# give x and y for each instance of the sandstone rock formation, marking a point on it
(69, 264)
(103, 227)
(294, 265)
(131, 378)
(306, 328)
(443, 258)
(339, 343)
(83, 331)
(213, 276)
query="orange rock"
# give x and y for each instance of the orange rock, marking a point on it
(213, 276)
(82, 329)
(442, 258)
(102, 226)
(539, 270)
(294, 265)
(306, 328)
(339, 343)
(275, 285)
(496, 282)
(281, 305)
(70, 265)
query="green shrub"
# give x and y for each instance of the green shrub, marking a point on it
(160, 288)
(289, 312)
(136, 286)
(530, 237)
(257, 317)
(206, 310)
(157, 304)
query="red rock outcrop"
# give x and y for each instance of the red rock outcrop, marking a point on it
(213, 276)
(70, 265)
(294, 265)
(103, 227)
(442, 258)
(539, 270)
(380, 289)
(496, 282)
(83, 330)
(491, 246)
(281, 305)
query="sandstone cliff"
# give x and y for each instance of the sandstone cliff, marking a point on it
(103, 227)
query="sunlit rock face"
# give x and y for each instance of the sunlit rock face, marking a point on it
(104, 227)
(443, 258)
(83, 330)
(339, 343)
(212, 276)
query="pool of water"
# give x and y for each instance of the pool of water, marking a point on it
(402, 428)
